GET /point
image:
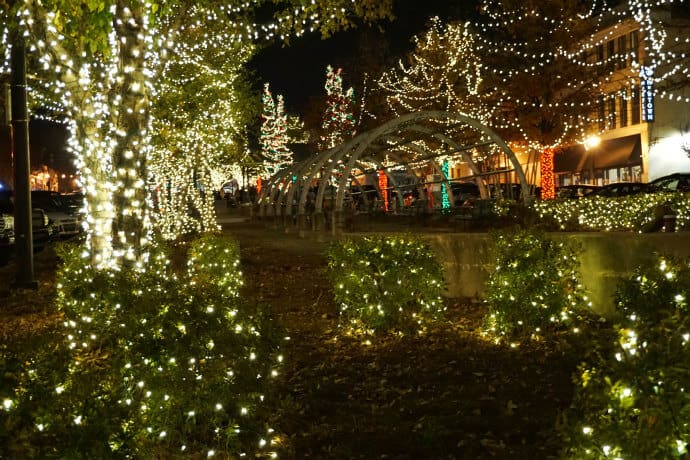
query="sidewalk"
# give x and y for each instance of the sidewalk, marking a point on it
(226, 215)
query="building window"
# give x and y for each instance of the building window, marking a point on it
(601, 113)
(635, 45)
(610, 56)
(623, 103)
(600, 59)
(611, 102)
(635, 106)
(622, 52)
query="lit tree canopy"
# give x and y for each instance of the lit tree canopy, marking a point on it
(203, 105)
(444, 72)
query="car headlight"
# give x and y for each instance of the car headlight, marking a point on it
(46, 220)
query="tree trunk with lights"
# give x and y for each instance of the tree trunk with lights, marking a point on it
(548, 185)
(129, 155)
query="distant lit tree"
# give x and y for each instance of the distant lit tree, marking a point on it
(444, 72)
(274, 133)
(338, 123)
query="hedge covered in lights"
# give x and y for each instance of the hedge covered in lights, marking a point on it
(534, 288)
(638, 213)
(386, 283)
(160, 364)
(632, 400)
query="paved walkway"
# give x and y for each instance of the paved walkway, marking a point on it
(227, 215)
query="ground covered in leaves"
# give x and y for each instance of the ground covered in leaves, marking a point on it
(448, 394)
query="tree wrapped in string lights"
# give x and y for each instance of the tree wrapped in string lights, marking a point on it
(542, 92)
(162, 361)
(555, 77)
(103, 58)
(444, 72)
(193, 149)
(338, 122)
(274, 133)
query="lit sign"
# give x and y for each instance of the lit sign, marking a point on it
(647, 83)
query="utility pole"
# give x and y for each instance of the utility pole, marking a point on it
(20, 148)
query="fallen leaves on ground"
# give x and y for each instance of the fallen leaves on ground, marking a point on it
(447, 394)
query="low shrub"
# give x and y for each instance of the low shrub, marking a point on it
(535, 286)
(386, 283)
(632, 399)
(636, 213)
(158, 364)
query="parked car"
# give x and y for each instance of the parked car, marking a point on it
(511, 191)
(576, 191)
(6, 225)
(677, 182)
(66, 221)
(464, 192)
(620, 189)
(42, 231)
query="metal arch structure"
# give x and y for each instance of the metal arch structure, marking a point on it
(289, 193)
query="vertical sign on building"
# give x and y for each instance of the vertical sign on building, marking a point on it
(647, 84)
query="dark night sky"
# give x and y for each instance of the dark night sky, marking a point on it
(298, 71)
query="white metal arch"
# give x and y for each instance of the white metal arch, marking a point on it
(341, 160)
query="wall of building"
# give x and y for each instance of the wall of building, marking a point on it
(607, 258)
(668, 135)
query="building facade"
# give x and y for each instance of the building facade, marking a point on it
(640, 126)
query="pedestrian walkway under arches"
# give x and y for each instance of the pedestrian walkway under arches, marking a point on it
(376, 170)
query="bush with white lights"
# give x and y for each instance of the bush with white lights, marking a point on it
(386, 283)
(633, 397)
(535, 287)
(637, 213)
(161, 363)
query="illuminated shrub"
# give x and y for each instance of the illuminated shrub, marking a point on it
(386, 283)
(632, 400)
(160, 364)
(629, 213)
(534, 288)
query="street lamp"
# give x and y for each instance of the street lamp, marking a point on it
(591, 142)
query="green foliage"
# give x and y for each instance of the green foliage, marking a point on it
(159, 364)
(632, 400)
(386, 283)
(535, 287)
(629, 213)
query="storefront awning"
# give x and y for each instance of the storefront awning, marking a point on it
(611, 153)
(570, 159)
